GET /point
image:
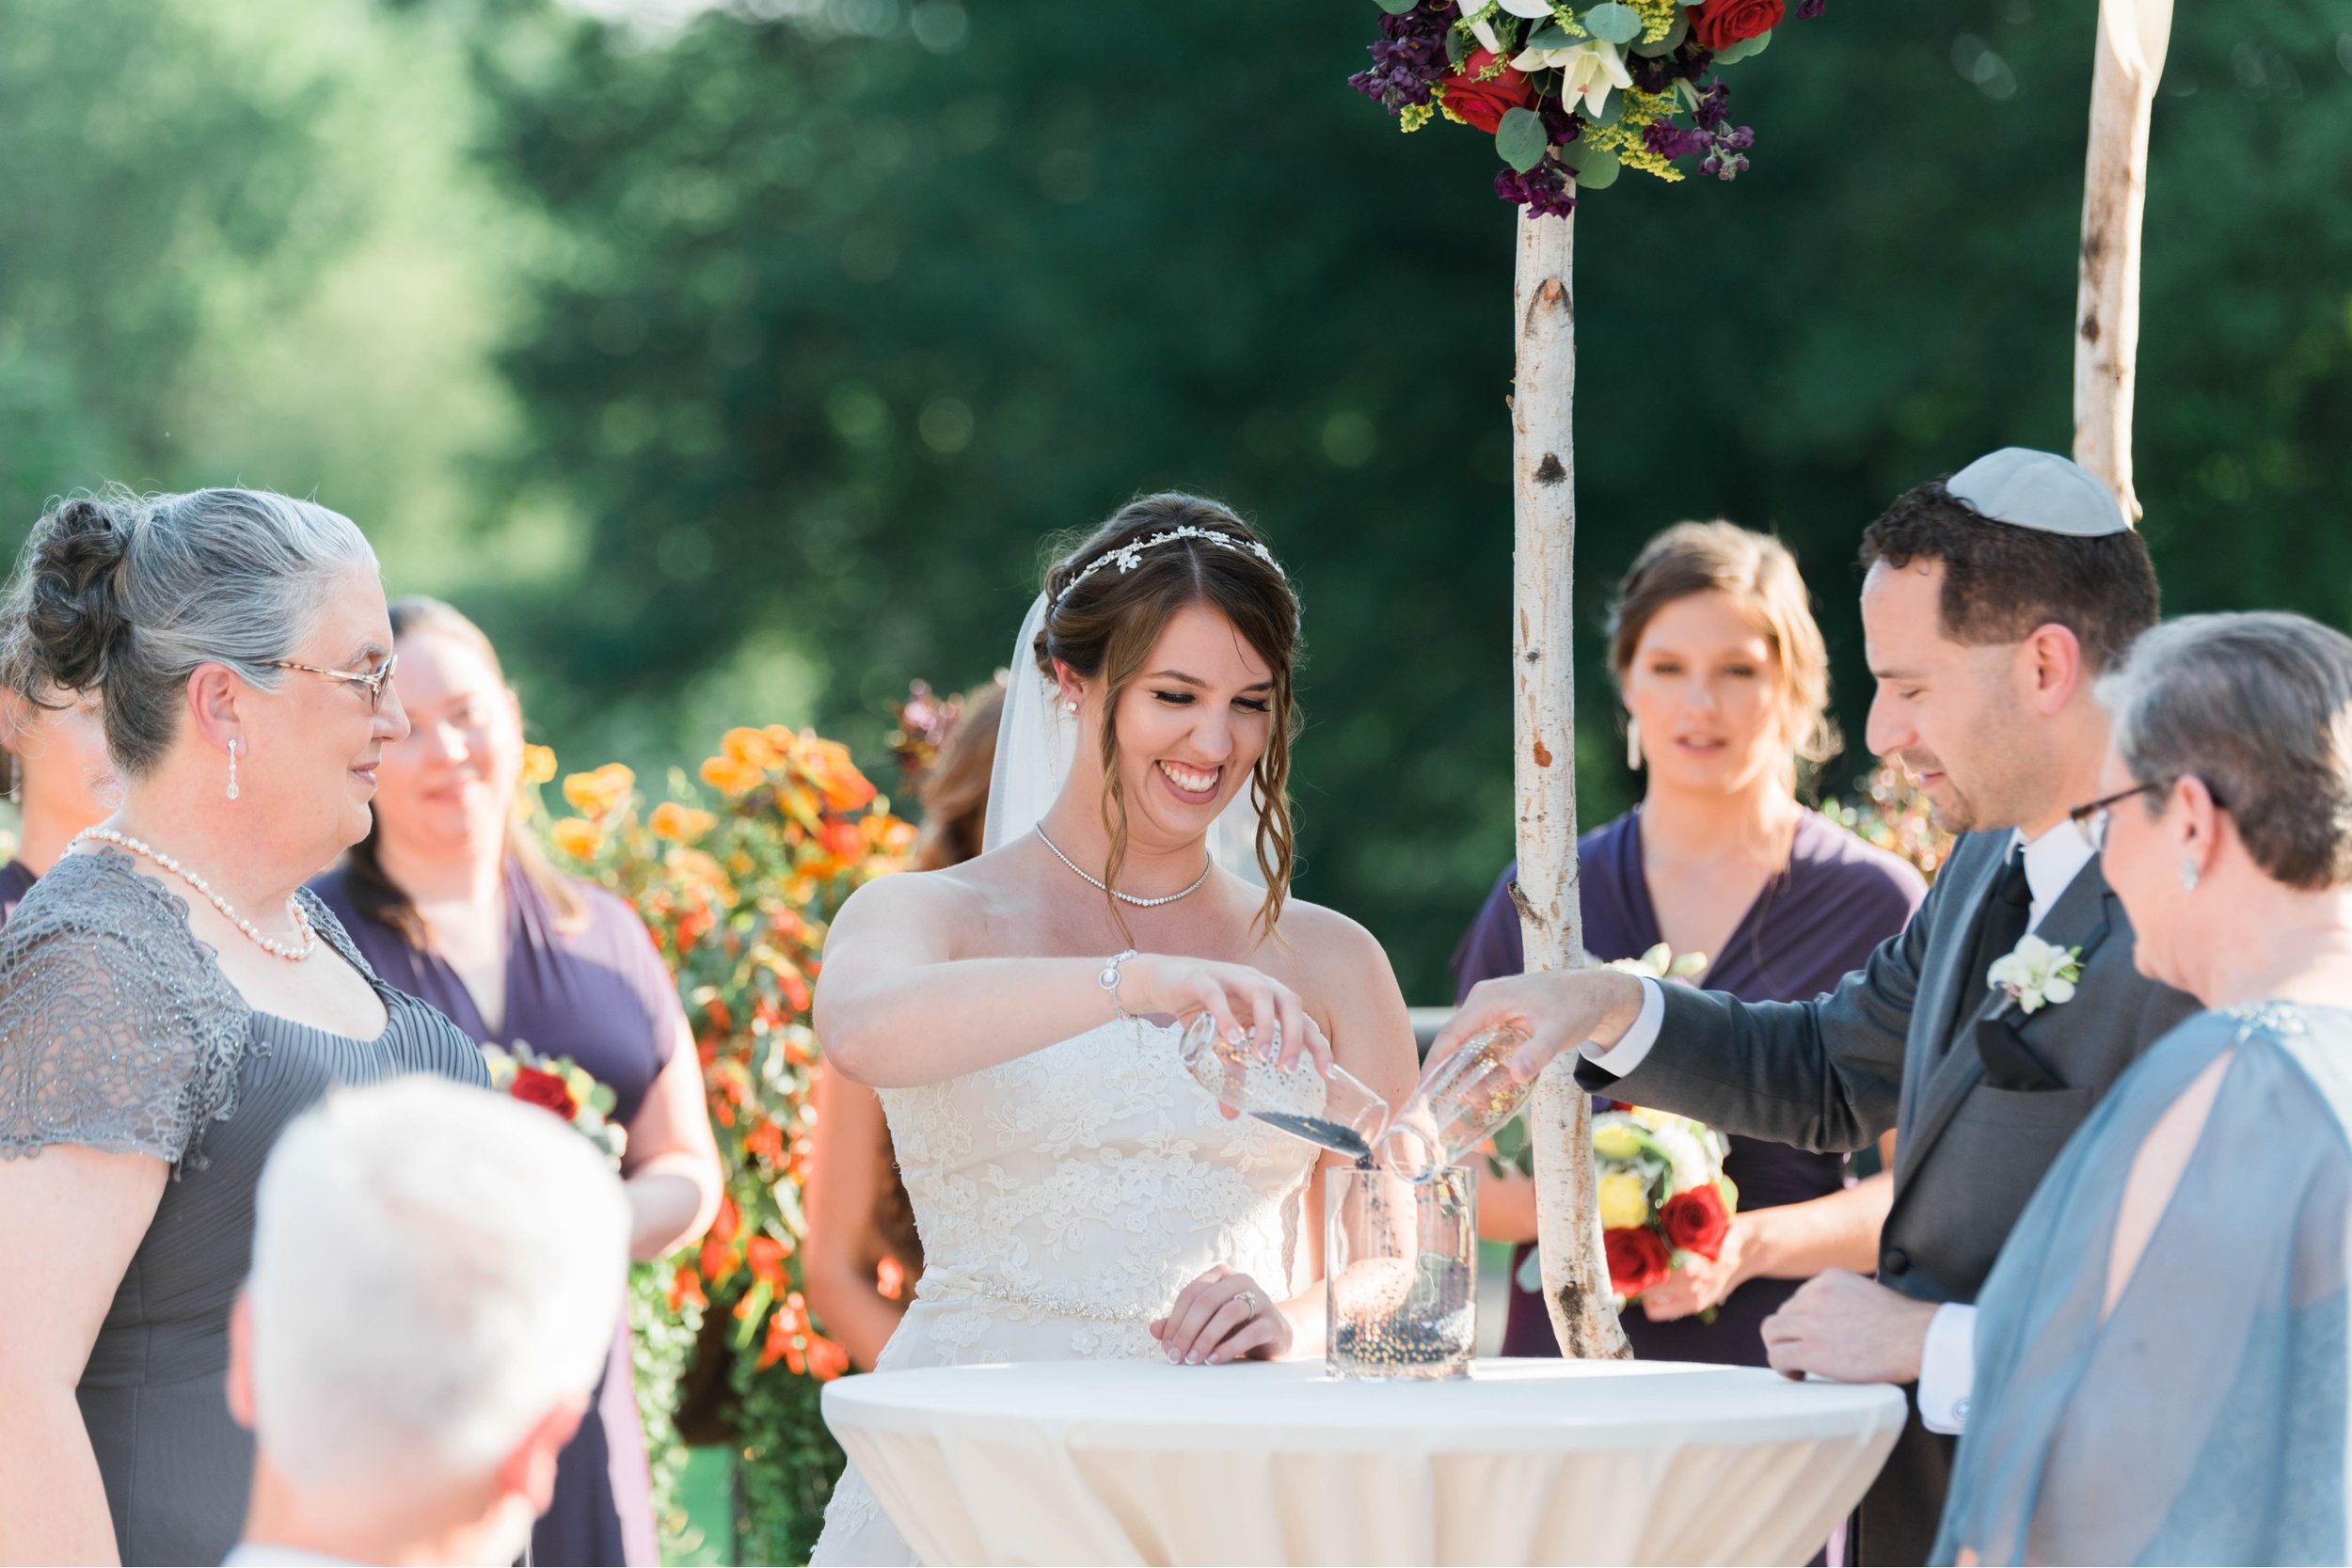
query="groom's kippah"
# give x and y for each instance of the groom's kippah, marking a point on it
(2038, 489)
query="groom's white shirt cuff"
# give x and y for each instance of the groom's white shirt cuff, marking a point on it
(1623, 1056)
(1948, 1368)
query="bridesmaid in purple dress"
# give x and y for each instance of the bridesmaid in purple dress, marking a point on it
(450, 901)
(1726, 685)
(56, 766)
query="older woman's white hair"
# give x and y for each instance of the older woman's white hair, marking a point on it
(435, 1269)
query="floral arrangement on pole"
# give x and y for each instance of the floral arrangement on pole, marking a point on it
(1574, 92)
(563, 1087)
(1664, 1195)
(737, 879)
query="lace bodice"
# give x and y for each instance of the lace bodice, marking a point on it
(1081, 1187)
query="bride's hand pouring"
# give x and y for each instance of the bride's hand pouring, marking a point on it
(1229, 993)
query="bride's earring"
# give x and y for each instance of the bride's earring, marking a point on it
(232, 770)
(1070, 704)
(2188, 875)
(1632, 744)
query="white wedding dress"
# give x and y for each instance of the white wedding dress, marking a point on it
(1064, 1197)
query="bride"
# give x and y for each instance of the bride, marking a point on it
(1078, 1194)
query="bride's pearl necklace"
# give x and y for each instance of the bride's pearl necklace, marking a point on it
(291, 952)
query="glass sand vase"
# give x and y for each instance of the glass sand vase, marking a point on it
(1401, 1273)
(1463, 1098)
(1334, 1109)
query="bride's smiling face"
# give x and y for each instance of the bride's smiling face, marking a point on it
(1191, 724)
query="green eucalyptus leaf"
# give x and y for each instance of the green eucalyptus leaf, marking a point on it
(1757, 45)
(1598, 170)
(1520, 138)
(1613, 22)
(1672, 42)
(1458, 45)
(1611, 107)
(1398, 8)
(1550, 36)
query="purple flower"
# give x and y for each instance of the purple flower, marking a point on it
(1808, 9)
(1669, 140)
(1711, 112)
(1560, 124)
(1542, 190)
(1409, 58)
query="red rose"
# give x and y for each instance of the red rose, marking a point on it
(1695, 1221)
(1482, 103)
(1637, 1259)
(1721, 23)
(545, 1090)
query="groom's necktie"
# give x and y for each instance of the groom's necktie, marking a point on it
(2007, 913)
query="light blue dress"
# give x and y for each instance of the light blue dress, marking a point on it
(2205, 1420)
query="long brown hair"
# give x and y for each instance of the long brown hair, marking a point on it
(373, 894)
(955, 788)
(1108, 624)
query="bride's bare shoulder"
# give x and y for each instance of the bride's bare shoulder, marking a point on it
(1328, 940)
(955, 896)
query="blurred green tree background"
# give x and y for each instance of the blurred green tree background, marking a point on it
(733, 365)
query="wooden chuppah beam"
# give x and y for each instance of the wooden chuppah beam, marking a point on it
(2133, 39)
(1576, 1270)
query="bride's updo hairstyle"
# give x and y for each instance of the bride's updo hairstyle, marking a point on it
(1108, 624)
(125, 596)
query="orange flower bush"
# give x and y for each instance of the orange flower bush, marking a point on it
(737, 891)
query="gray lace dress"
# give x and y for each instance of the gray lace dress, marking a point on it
(119, 1032)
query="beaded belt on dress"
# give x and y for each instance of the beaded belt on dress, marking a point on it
(1060, 1306)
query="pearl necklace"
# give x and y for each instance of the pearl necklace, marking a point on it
(288, 951)
(1123, 897)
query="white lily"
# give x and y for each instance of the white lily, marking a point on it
(1540, 9)
(1588, 69)
(1482, 24)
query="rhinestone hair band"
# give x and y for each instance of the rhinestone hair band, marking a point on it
(1128, 557)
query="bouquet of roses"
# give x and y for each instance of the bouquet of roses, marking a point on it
(1664, 1197)
(559, 1085)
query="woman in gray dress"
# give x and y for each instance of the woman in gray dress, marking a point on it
(2162, 1368)
(169, 997)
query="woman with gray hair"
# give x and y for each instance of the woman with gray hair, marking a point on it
(170, 996)
(2161, 1350)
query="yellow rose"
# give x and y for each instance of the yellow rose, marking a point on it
(1616, 1142)
(1623, 1201)
(577, 837)
(538, 764)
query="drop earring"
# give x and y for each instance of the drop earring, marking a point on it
(2188, 875)
(1632, 744)
(232, 769)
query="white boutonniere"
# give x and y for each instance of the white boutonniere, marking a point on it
(2037, 975)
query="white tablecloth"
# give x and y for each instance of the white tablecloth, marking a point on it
(1527, 1462)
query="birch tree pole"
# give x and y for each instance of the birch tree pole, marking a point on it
(2133, 39)
(1560, 1119)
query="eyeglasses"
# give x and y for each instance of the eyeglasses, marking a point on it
(2092, 819)
(375, 680)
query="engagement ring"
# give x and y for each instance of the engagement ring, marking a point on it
(1248, 1300)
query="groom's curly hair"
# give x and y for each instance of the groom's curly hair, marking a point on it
(2001, 582)
(1109, 625)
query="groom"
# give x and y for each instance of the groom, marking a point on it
(1993, 601)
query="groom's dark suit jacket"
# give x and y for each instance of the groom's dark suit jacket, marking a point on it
(1896, 1046)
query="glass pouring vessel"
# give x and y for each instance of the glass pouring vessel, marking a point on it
(1463, 1098)
(1335, 1111)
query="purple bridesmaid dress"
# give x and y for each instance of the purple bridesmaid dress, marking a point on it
(1838, 899)
(601, 996)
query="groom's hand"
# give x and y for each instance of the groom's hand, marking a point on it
(1849, 1329)
(1557, 1011)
